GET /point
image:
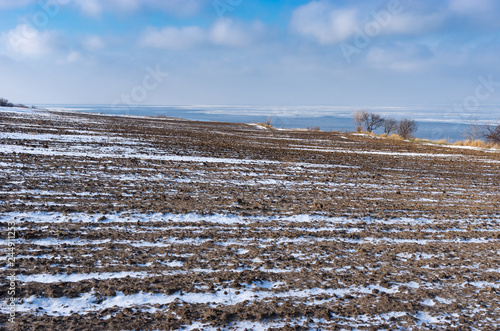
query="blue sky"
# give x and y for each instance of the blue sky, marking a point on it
(242, 52)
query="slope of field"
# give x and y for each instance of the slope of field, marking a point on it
(153, 223)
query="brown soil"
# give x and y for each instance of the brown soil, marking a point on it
(400, 235)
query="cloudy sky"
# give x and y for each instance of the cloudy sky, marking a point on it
(249, 52)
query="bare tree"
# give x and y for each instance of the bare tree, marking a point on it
(360, 117)
(373, 121)
(390, 124)
(367, 121)
(406, 128)
(491, 132)
(473, 130)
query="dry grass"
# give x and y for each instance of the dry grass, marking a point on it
(493, 145)
(471, 143)
(365, 133)
(395, 136)
(267, 126)
(434, 142)
(477, 143)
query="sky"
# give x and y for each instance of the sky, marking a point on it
(250, 52)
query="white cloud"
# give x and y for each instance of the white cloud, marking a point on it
(74, 57)
(223, 32)
(413, 23)
(93, 43)
(95, 8)
(471, 6)
(90, 7)
(14, 4)
(173, 38)
(401, 57)
(124, 5)
(27, 41)
(326, 24)
(178, 7)
(321, 21)
(479, 12)
(226, 32)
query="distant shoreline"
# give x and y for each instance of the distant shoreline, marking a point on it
(417, 138)
(436, 122)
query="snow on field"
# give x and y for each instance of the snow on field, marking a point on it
(379, 153)
(144, 301)
(96, 152)
(123, 220)
(310, 221)
(92, 152)
(87, 138)
(19, 110)
(47, 278)
(278, 284)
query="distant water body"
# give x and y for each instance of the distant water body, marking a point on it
(435, 121)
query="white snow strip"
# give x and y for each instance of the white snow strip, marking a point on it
(87, 302)
(128, 153)
(380, 153)
(50, 217)
(73, 278)
(65, 138)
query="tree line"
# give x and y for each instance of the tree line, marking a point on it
(6, 103)
(369, 122)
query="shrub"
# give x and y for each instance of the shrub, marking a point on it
(491, 133)
(406, 128)
(359, 119)
(390, 125)
(269, 122)
(473, 130)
